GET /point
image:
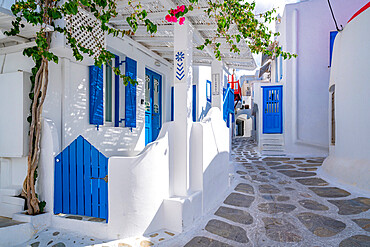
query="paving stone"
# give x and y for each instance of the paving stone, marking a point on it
(55, 233)
(205, 242)
(96, 219)
(272, 163)
(295, 174)
(353, 206)
(273, 177)
(313, 205)
(235, 215)
(283, 167)
(356, 241)
(146, 243)
(281, 230)
(274, 208)
(74, 217)
(309, 165)
(289, 189)
(363, 223)
(309, 169)
(306, 195)
(312, 181)
(276, 198)
(321, 226)
(332, 192)
(60, 244)
(299, 158)
(245, 188)
(268, 189)
(293, 162)
(35, 244)
(239, 200)
(275, 159)
(228, 231)
(241, 172)
(259, 179)
(314, 161)
(284, 182)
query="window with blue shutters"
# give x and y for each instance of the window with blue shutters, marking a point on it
(119, 101)
(96, 109)
(130, 94)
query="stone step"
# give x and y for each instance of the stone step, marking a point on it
(12, 200)
(7, 210)
(11, 191)
(16, 234)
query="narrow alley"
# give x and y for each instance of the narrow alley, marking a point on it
(274, 201)
(280, 201)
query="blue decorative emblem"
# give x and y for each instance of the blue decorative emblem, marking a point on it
(180, 56)
(180, 70)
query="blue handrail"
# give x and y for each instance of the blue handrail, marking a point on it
(228, 106)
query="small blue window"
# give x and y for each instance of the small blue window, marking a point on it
(333, 34)
(208, 91)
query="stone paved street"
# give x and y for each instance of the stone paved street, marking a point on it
(273, 201)
(283, 202)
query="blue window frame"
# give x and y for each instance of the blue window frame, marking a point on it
(333, 35)
(208, 91)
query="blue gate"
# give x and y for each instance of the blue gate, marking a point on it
(81, 181)
(272, 110)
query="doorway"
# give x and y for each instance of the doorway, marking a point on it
(153, 105)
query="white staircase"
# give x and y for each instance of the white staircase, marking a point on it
(9, 202)
(272, 145)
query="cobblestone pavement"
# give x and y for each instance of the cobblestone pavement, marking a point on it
(281, 201)
(273, 201)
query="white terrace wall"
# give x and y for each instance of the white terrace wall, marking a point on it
(349, 158)
(305, 30)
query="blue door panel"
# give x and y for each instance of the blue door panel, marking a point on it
(272, 110)
(79, 185)
(153, 112)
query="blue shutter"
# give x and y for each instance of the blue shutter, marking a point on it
(96, 95)
(333, 34)
(130, 94)
(172, 104)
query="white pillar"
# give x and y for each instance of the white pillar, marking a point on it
(217, 85)
(183, 77)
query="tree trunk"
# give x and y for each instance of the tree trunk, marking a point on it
(40, 88)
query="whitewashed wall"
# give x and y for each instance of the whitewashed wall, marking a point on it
(349, 158)
(305, 30)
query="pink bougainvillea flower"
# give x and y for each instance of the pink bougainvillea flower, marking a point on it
(181, 20)
(182, 8)
(168, 18)
(172, 12)
(173, 19)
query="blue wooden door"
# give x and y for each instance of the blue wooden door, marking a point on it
(272, 110)
(81, 181)
(153, 105)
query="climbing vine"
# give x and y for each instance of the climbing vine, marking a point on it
(48, 14)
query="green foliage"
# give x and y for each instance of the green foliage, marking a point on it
(42, 205)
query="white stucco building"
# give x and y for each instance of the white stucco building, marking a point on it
(305, 29)
(163, 141)
(349, 158)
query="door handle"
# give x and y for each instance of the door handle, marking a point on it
(105, 178)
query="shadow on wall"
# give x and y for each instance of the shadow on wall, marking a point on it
(205, 111)
(107, 139)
